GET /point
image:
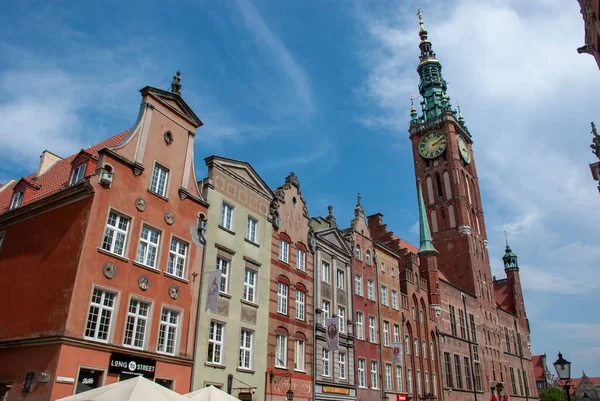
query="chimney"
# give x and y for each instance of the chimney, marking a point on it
(47, 160)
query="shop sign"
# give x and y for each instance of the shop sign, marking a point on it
(63, 379)
(125, 364)
(336, 390)
(400, 397)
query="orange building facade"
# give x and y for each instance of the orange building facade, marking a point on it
(99, 260)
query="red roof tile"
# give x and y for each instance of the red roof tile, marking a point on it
(56, 178)
(538, 367)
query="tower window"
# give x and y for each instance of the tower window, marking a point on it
(438, 183)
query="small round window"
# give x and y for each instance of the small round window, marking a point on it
(294, 200)
(168, 137)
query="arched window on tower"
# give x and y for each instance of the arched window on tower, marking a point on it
(474, 188)
(447, 185)
(438, 183)
(451, 217)
(468, 190)
(477, 224)
(434, 224)
(429, 191)
(442, 224)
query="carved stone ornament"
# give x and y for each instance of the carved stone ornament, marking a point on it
(144, 282)
(169, 217)
(174, 291)
(141, 204)
(168, 137)
(109, 269)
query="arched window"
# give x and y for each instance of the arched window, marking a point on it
(438, 184)
(424, 349)
(358, 253)
(368, 257)
(447, 185)
(451, 217)
(416, 346)
(468, 191)
(477, 224)
(434, 225)
(442, 223)
(429, 191)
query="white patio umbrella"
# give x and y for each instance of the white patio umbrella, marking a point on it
(136, 389)
(210, 393)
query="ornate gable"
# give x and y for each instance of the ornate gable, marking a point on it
(174, 102)
(335, 238)
(240, 171)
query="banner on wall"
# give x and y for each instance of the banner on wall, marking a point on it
(396, 353)
(212, 297)
(332, 333)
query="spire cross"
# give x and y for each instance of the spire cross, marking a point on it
(458, 105)
(505, 238)
(420, 15)
(358, 199)
(411, 99)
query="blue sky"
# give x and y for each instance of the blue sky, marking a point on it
(322, 89)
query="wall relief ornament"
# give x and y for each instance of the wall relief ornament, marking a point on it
(169, 217)
(144, 282)
(174, 291)
(141, 204)
(168, 137)
(109, 269)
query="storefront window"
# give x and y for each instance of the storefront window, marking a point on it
(88, 379)
(168, 383)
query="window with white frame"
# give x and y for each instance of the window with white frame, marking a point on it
(115, 233)
(300, 259)
(246, 349)
(281, 351)
(358, 285)
(421, 316)
(395, 300)
(358, 253)
(16, 200)
(374, 375)
(77, 174)
(284, 251)
(388, 377)
(325, 272)
(100, 315)
(250, 285)
(223, 266)
(342, 365)
(419, 388)
(431, 353)
(424, 346)
(360, 330)
(407, 344)
(177, 258)
(416, 346)
(325, 310)
(167, 332)
(396, 333)
(384, 295)
(372, 337)
(434, 383)
(341, 279)
(282, 298)
(409, 380)
(370, 290)
(362, 379)
(137, 321)
(300, 297)
(226, 216)
(386, 333)
(216, 339)
(299, 356)
(325, 360)
(342, 317)
(252, 230)
(368, 257)
(399, 384)
(148, 247)
(160, 175)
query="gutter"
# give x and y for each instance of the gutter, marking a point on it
(203, 242)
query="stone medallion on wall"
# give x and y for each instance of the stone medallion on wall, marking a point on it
(223, 307)
(141, 204)
(109, 269)
(169, 217)
(144, 282)
(248, 314)
(174, 291)
(341, 297)
(326, 290)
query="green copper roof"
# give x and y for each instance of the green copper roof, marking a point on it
(426, 240)
(509, 258)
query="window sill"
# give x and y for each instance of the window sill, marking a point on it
(281, 368)
(158, 195)
(252, 242)
(214, 365)
(244, 370)
(252, 304)
(226, 230)
(143, 266)
(224, 295)
(114, 255)
(287, 262)
(174, 277)
(300, 370)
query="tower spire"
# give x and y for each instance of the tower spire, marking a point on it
(509, 258)
(426, 239)
(432, 85)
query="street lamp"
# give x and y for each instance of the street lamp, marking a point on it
(289, 396)
(586, 397)
(563, 370)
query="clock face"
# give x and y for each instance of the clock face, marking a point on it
(432, 145)
(463, 148)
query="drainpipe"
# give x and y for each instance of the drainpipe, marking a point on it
(441, 362)
(464, 299)
(203, 242)
(314, 339)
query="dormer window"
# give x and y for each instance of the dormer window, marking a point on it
(16, 200)
(77, 174)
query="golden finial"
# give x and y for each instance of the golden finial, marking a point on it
(421, 26)
(460, 116)
(412, 103)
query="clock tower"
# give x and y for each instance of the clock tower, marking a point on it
(445, 165)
